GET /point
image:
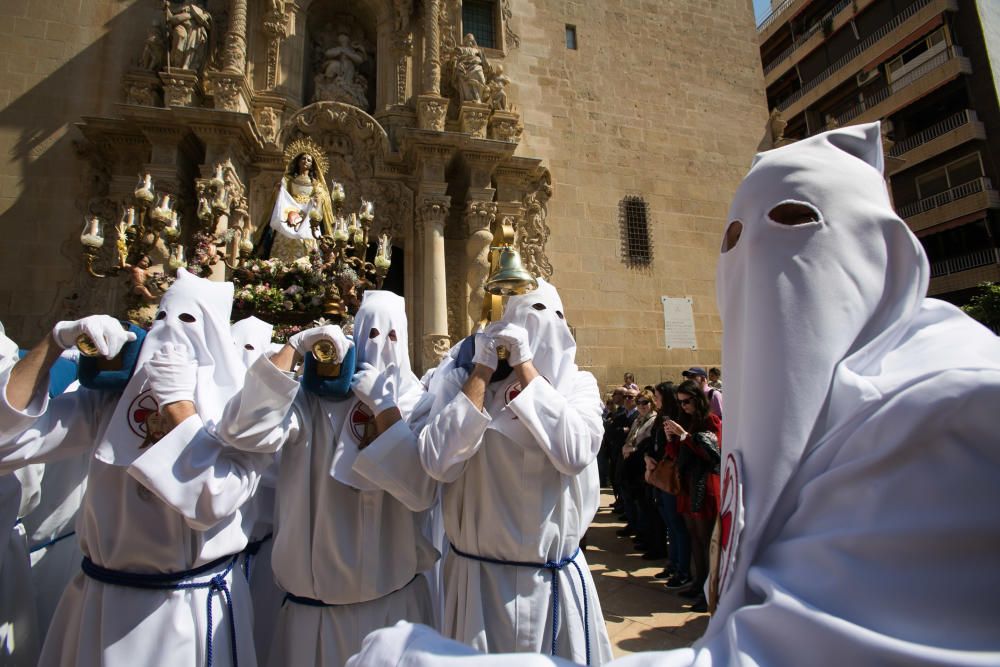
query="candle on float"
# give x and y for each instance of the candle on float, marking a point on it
(93, 232)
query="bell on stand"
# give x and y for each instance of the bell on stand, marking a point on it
(508, 278)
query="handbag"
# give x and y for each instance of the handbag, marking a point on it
(665, 476)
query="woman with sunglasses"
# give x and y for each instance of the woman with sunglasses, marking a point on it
(677, 572)
(700, 436)
(632, 483)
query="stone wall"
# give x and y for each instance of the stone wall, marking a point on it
(661, 99)
(59, 60)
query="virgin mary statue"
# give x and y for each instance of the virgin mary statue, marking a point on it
(302, 209)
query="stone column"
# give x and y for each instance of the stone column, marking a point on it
(235, 58)
(431, 107)
(432, 211)
(479, 217)
(432, 48)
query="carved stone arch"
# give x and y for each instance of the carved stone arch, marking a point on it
(341, 129)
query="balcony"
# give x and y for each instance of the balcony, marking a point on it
(953, 131)
(772, 18)
(932, 74)
(964, 272)
(881, 41)
(965, 199)
(804, 44)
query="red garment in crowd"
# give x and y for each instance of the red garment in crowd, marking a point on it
(710, 507)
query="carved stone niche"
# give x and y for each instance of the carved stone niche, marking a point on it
(341, 58)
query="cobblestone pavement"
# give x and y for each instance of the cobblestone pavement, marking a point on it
(640, 613)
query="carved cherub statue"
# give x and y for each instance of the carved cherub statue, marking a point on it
(497, 89)
(154, 49)
(139, 278)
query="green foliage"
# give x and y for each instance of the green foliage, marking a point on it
(985, 306)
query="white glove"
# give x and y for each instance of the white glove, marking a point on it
(107, 333)
(374, 389)
(172, 374)
(304, 340)
(514, 338)
(486, 351)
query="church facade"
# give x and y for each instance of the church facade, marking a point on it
(604, 138)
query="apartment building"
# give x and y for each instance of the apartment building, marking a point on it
(930, 70)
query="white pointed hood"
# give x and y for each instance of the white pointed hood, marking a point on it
(798, 302)
(194, 312)
(380, 318)
(252, 337)
(553, 351)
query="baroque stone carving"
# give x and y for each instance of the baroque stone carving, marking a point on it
(337, 77)
(471, 77)
(225, 90)
(234, 57)
(436, 348)
(187, 28)
(178, 88)
(268, 122)
(533, 233)
(141, 88)
(474, 117)
(154, 49)
(511, 37)
(431, 112)
(345, 132)
(505, 126)
(276, 28)
(479, 217)
(432, 211)
(393, 208)
(468, 70)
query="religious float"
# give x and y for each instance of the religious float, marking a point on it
(309, 150)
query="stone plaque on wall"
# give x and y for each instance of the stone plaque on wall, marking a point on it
(678, 323)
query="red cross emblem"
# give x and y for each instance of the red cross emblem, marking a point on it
(362, 424)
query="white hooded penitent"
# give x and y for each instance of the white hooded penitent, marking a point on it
(195, 313)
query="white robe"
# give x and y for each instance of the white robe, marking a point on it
(19, 634)
(124, 526)
(528, 499)
(55, 551)
(359, 550)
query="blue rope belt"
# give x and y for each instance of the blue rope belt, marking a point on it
(53, 541)
(313, 602)
(176, 581)
(251, 550)
(553, 567)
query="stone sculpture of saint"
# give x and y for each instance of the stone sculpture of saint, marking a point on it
(470, 71)
(188, 27)
(339, 80)
(302, 201)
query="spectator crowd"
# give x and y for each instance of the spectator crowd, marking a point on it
(660, 457)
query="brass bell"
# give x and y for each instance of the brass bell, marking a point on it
(510, 276)
(325, 352)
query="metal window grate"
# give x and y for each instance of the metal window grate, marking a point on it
(479, 18)
(633, 219)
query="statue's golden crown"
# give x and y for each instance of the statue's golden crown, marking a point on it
(307, 145)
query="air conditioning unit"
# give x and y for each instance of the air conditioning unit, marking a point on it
(864, 78)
